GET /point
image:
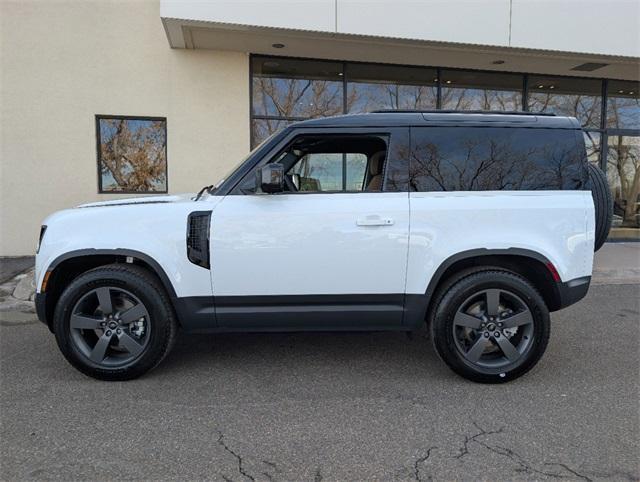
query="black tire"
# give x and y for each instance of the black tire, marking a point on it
(603, 203)
(157, 327)
(493, 365)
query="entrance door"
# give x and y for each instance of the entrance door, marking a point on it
(329, 252)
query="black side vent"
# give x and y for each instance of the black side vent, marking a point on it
(198, 238)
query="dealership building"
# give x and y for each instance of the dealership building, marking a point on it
(107, 99)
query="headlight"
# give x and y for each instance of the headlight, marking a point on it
(43, 228)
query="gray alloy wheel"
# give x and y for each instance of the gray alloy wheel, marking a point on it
(110, 326)
(493, 329)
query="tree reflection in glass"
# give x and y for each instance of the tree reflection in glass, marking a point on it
(375, 87)
(623, 105)
(470, 90)
(579, 98)
(623, 171)
(487, 159)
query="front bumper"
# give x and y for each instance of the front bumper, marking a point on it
(573, 291)
(41, 308)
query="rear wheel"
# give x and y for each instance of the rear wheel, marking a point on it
(114, 322)
(490, 326)
(603, 204)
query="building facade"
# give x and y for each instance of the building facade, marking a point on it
(117, 98)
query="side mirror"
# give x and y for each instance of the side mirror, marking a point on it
(270, 178)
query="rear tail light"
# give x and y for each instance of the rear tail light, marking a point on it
(554, 272)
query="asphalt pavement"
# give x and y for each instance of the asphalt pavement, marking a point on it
(330, 406)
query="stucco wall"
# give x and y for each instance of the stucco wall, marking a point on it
(64, 62)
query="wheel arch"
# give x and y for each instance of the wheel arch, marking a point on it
(533, 266)
(68, 266)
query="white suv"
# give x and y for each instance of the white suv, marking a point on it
(477, 224)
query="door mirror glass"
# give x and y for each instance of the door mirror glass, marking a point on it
(270, 178)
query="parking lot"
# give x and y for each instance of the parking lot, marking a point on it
(331, 406)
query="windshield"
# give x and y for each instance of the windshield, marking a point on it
(238, 164)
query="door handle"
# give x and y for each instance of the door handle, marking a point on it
(374, 221)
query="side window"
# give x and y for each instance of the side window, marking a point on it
(334, 163)
(324, 172)
(488, 159)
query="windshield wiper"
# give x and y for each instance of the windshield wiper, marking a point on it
(209, 190)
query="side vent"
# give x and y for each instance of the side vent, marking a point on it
(198, 238)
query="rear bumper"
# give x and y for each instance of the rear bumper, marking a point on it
(573, 291)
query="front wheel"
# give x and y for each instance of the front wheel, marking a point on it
(491, 326)
(114, 322)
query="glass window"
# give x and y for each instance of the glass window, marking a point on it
(335, 163)
(356, 171)
(132, 154)
(592, 145)
(296, 88)
(487, 159)
(623, 165)
(323, 172)
(319, 172)
(462, 90)
(328, 163)
(623, 105)
(579, 98)
(263, 128)
(371, 87)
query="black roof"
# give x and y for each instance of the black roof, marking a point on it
(445, 118)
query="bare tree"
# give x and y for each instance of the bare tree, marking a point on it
(134, 157)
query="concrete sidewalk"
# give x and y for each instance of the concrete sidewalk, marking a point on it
(11, 266)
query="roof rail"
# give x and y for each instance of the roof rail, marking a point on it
(432, 111)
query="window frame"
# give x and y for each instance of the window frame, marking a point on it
(276, 150)
(98, 118)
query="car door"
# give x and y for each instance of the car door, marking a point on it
(330, 256)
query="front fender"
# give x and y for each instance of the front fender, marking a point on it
(153, 233)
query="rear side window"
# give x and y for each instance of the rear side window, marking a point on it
(495, 159)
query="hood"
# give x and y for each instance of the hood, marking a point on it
(174, 198)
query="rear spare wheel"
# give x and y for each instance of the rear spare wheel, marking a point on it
(603, 203)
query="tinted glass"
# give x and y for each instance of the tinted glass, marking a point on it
(623, 172)
(296, 88)
(487, 159)
(372, 87)
(623, 105)
(592, 145)
(263, 128)
(579, 98)
(462, 90)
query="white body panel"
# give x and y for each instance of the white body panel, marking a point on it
(310, 244)
(315, 244)
(556, 224)
(157, 230)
